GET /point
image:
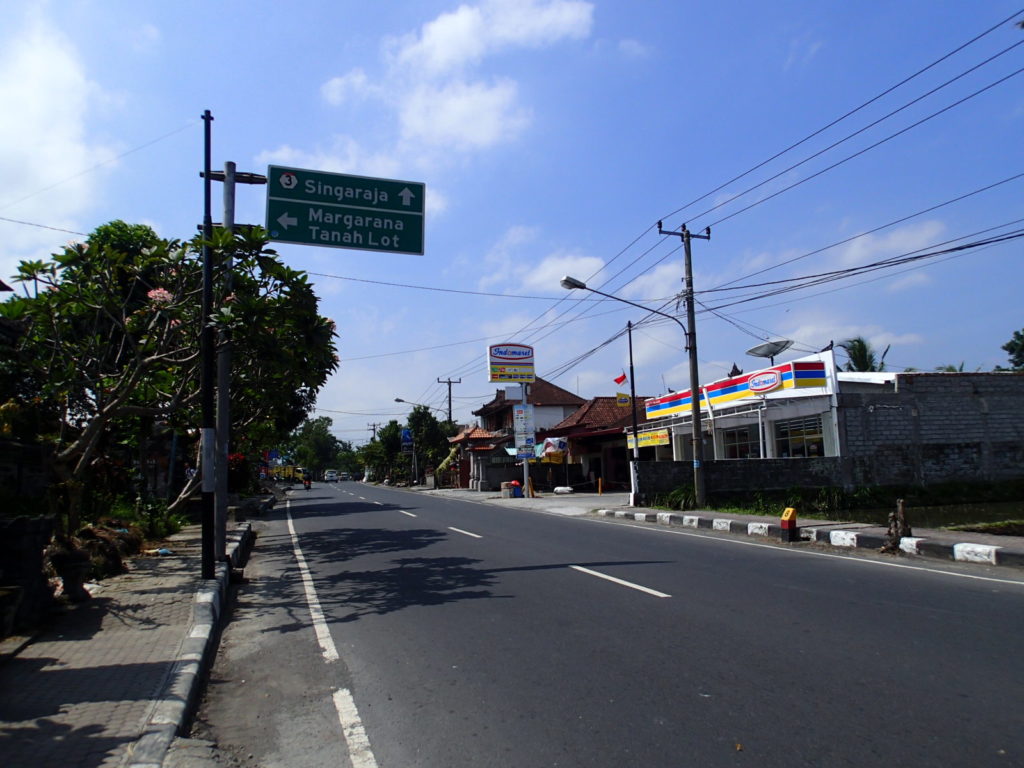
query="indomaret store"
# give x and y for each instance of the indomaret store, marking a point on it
(785, 411)
(847, 428)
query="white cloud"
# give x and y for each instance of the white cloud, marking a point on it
(338, 90)
(465, 36)
(145, 38)
(903, 240)
(546, 275)
(909, 280)
(43, 83)
(342, 155)
(508, 265)
(660, 283)
(801, 51)
(816, 328)
(502, 259)
(463, 115)
(429, 81)
(633, 49)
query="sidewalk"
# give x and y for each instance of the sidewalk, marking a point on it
(962, 546)
(110, 682)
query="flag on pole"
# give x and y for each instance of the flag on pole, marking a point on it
(620, 380)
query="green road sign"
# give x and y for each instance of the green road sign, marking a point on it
(341, 211)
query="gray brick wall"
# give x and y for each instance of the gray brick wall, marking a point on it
(937, 427)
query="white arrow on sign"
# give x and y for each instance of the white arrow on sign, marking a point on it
(406, 195)
(287, 221)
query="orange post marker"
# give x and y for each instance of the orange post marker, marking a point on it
(790, 530)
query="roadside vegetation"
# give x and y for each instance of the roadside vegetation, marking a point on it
(99, 383)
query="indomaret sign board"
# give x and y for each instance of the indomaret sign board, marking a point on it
(807, 376)
(336, 210)
(510, 363)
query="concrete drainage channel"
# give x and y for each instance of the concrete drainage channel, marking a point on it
(173, 709)
(965, 552)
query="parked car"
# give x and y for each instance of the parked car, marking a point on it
(331, 476)
(344, 476)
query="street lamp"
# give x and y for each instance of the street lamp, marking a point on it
(415, 470)
(421, 405)
(570, 283)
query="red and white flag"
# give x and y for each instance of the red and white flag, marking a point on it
(620, 380)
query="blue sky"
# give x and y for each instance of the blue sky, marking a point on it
(552, 135)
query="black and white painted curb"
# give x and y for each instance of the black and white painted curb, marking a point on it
(964, 552)
(172, 709)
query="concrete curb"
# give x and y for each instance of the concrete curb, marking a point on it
(963, 552)
(173, 708)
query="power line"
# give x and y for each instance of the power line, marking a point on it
(911, 256)
(150, 143)
(844, 241)
(859, 131)
(867, 149)
(850, 113)
(432, 288)
(43, 226)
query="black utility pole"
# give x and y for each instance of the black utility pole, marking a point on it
(449, 382)
(373, 428)
(699, 493)
(206, 376)
(637, 499)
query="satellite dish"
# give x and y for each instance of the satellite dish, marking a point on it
(770, 349)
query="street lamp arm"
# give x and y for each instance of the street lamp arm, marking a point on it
(570, 283)
(421, 405)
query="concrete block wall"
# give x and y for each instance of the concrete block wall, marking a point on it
(936, 427)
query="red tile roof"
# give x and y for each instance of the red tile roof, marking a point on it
(474, 433)
(541, 393)
(600, 413)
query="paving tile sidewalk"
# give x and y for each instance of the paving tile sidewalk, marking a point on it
(97, 678)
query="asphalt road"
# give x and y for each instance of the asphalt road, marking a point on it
(473, 635)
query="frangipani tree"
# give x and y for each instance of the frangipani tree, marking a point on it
(111, 335)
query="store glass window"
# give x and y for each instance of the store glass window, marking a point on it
(799, 438)
(741, 443)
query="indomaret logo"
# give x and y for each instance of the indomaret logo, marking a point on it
(764, 382)
(511, 352)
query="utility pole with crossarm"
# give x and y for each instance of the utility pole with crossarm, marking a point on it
(700, 495)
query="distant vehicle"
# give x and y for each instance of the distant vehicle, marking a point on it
(331, 476)
(344, 476)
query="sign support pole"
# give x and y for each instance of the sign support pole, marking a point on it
(526, 461)
(206, 376)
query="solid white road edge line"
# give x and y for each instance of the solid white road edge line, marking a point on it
(352, 729)
(410, 514)
(359, 751)
(323, 633)
(847, 558)
(629, 584)
(465, 533)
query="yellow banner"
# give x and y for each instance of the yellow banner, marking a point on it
(647, 439)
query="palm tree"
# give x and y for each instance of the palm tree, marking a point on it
(862, 355)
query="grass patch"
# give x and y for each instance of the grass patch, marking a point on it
(1001, 528)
